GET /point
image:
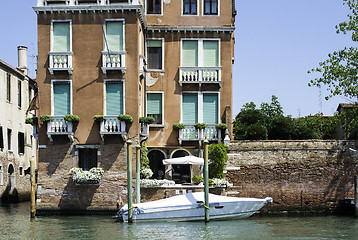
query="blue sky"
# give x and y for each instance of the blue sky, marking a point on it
(277, 42)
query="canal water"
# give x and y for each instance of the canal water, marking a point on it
(15, 223)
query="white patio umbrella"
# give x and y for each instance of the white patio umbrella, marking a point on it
(184, 160)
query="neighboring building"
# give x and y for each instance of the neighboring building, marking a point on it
(17, 142)
(171, 60)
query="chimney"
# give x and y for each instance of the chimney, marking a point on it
(22, 59)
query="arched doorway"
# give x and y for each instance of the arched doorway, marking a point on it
(11, 177)
(156, 164)
(181, 172)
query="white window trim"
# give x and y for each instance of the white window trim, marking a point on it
(54, 21)
(200, 95)
(146, 52)
(52, 95)
(154, 14)
(190, 15)
(203, 8)
(146, 105)
(200, 49)
(124, 31)
(105, 95)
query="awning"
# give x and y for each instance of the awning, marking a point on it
(184, 160)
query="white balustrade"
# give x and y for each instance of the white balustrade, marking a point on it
(113, 60)
(111, 125)
(190, 133)
(41, 3)
(200, 75)
(58, 126)
(60, 61)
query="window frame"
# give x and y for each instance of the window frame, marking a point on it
(105, 94)
(19, 94)
(9, 139)
(83, 149)
(146, 107)
(8, 87)
(200, 49)
(52, 95)
(147, 54)
(52, 36)
(189, 14)
(105, 43)
(157, 14)
(200, 95)
(212, 15)
(21, 143)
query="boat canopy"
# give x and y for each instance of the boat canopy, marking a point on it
(184, 160)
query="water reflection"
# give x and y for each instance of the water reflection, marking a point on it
(16, 224)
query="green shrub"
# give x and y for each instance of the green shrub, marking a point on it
(178, 126)
(145, 159)
(218, 157)
(71, 118)
(125, 117)
(221, 126)
(147, 120)
(98, 118)
(32, 121)
(197, 179)
(200, 125)
(45, 118)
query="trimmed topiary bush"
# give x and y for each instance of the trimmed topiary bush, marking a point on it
(98, 118)
(45, 118)
(178, 126)
(200, 125)
(71, 118)
(125, 117)
(147, 120)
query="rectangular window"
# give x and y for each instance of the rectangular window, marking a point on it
(211, 53)
(154, 6)
(155, 107)
(8, 139)
(200, 53)
(190, 109)
(8, 87)
(210, 108)
(154, 51)
(114, 35)
(190, 53)
(61, 98)
(211, 7)
(19, 94)
(114, 98)
(1, 139)
(61, 37)
(87, 158)
(1, 175)
(189, 7)
(21, 142)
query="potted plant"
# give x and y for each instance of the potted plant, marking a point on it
(125, 117)
(32, 121)
(197, 179)
(221, 126)
(147, 120)
(45, 118)
(71, 118)
(200, 125)
(98, 118)
(178, 126)
(80, 176)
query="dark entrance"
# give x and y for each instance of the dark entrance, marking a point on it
(156, 163)
(181, 172)
(87, 158)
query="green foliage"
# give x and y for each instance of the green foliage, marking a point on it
(221, 126)
(71, 118)
(145, 159)
(218, 157)
(200, 125)
(279, 127)
(273, 109)
(32, 121)
(147, 120)
(348, 120)
(45, 118)
(197, 179)
(178, 126)
(339, 73)
(125, 117)
(98, 118)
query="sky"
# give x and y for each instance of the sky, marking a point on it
(276, 43)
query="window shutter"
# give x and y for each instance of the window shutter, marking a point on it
(114, 98)
(61, 99)
(61, 37)
(211, 53)
(210, 108)
(190, 109)
(114, 35)
(154, 104)
(190, 54)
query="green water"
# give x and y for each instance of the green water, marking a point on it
(15, 223)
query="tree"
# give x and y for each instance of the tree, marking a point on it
(218, 157)
(340, 70)
(348, 120)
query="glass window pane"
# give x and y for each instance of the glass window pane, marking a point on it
(211, 53)
(210, 108)
(190, 53)
(61, 98)
(114, 98)
(61, 36)
(190, 109)
(114, 35)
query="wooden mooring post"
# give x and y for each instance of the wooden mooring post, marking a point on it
(129, 180)
(33, 188)
(206, 179)
(137, 180)
(356, 196)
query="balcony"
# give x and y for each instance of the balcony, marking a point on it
(199, 75)
(86, 2)
(113, 60)
(190, 133)
(58, 126)
(60, 61)
(110, 125)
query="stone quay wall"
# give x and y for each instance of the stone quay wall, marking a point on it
(300, 176)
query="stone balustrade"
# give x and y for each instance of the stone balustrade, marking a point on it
(41, 3)
(59, 126)
(111, 125)
(60, 61)
(200, 75)
(190, 133)
(113, 60)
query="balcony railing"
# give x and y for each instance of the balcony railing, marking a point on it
(112, 126)
(199, 75)
(60, 61)
(113, 60)
(58, 126)
(86, 2)
(190, 133)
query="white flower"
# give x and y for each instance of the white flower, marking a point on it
(220, 182)
(81, 176)
(151, 182)
(146, 173)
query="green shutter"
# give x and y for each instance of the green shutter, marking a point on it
(154, 103)
(61, 37)
(61, 99)
(190, 54)
(190, 109)
(210, 108)
(211, 53)
(114, 98)
(114, 35)
(154, 43)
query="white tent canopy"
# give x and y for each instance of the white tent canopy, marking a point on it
(184, 160)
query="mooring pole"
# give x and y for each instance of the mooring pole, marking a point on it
(206, 179)
(137, 179)
(356, 196)
(33, 188)
(129, 180)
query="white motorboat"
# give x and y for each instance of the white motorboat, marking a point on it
(190, 207)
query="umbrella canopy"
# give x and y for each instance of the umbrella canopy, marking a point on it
(184, 160)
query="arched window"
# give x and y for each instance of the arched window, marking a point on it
(156, 163)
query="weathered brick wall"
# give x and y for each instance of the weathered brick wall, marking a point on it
(298, 175)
